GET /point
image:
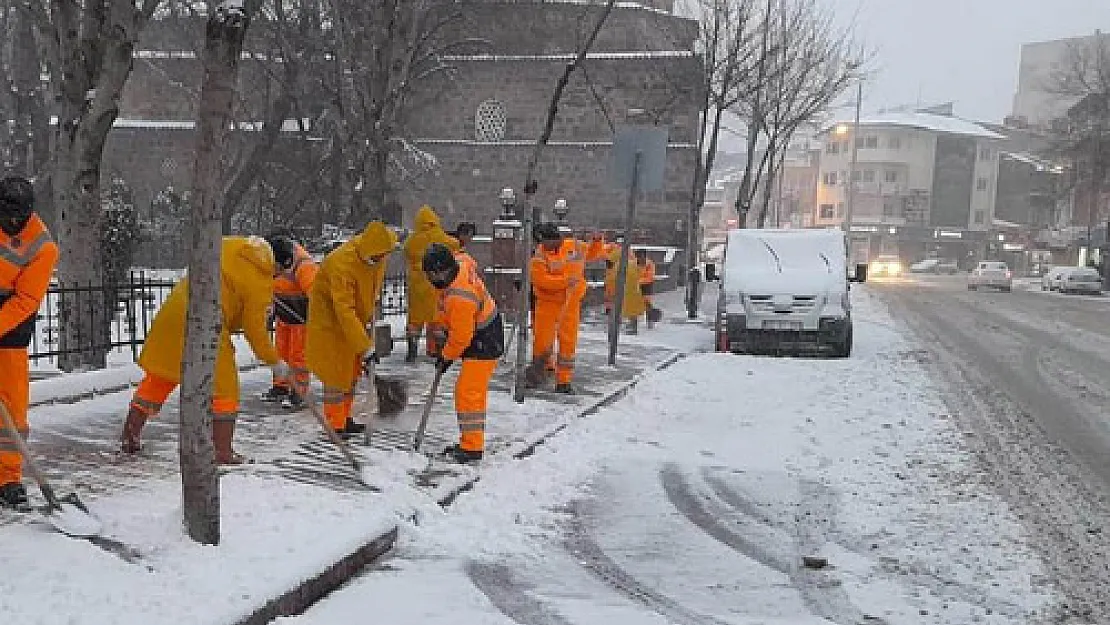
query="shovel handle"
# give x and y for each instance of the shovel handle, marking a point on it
(32, 468)
(334, 437)
(419, 438)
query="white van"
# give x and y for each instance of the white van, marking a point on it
(785, 290)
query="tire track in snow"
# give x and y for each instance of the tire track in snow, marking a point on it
(821, 592)
(912, 572)
(589, 554)
(510, 596)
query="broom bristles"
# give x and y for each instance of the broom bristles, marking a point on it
(393, 396)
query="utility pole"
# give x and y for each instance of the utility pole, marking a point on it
(849, 205)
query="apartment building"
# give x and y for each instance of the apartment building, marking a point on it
(924, 183)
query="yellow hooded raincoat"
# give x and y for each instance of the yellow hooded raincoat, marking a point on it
(422, 297)
(342, 302)
(246, 290)
(633, 305)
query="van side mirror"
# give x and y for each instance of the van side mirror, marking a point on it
(711, 272)
(860, 275)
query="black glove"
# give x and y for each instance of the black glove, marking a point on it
(368, 359)
(442, 364)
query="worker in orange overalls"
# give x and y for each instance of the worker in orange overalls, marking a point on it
(647, 282)
(575, 254)
(475, 334)
(291, 289)
(551, 279)
(421, 296)
(247, 272)
(27, 259)
(341, 303)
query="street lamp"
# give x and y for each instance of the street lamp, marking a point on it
(508, 203)
(561, 209)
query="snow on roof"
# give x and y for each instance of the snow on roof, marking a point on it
(563, 57)
(675, 145)
(1039, 164)
(924, 121)
(289, 125)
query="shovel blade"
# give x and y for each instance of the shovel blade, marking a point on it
(72, 520)
(393, 395)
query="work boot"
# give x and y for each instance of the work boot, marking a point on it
(275, 394)
(132, 431)
(634, 326)
(222, 433)
(351, 428)
(410, 355)
(293, 401)
(565, 388)
(14, 497)
(534, 376)
(462, 456)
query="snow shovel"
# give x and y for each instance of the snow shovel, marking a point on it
(67, 513)
(338, 441)
(427, 411)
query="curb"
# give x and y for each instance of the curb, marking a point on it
(106, 390)
(305, 594)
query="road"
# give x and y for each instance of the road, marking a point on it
(1029, 379)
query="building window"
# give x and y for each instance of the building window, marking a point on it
(828, 211)
(490, 121)
(980, 217)
(869, 175)
(890, 175)
(867, 143)
(982, 184)
(832, 147)
(890, 207)
(830, 179)
(895, 143)
(985, 154)
(840, 209)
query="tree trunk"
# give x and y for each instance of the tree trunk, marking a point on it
(223, 44)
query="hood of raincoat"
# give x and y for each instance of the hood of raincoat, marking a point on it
(426, 219)
(375, 240)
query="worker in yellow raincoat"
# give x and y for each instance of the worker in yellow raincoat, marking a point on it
(421, 295)
(633, 304)
(342, 301)
(246, 290)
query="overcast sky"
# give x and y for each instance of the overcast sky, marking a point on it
(965, 51)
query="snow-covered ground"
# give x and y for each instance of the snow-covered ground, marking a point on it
(695, 499)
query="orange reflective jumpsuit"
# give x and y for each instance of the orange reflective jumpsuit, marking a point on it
(475, 334)
(291, 289)
(647, 280)
(550, 276)
(26, 263)
(576, 254)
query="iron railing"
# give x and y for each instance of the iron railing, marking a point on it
(136, 301)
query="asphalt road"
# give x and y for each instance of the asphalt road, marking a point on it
(1028, 377)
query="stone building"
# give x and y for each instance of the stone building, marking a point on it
(482, 127)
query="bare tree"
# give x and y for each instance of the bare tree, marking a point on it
(384, 51)
(804, 61)
(25, 138)
(1082, 80)
(87, 46)
(223, 45)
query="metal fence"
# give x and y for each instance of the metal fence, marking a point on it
(132, 306)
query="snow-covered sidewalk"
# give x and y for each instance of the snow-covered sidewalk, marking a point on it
(287, 518)
(696, 499)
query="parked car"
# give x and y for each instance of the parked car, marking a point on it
(1050, 281)
(785, 290)
(929, 265)
(991, 274)
(885, 265)
(935, 265)
(949, 267)
(1081, 280)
